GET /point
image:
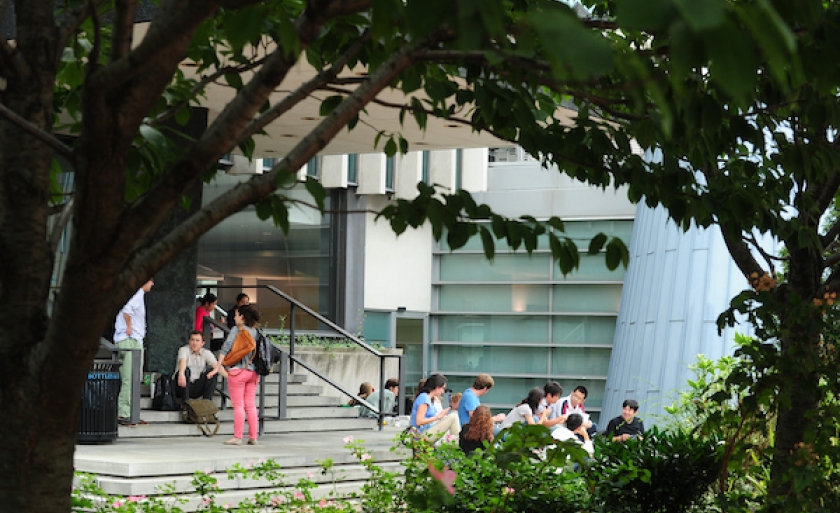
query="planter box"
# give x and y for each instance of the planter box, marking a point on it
(346, 366)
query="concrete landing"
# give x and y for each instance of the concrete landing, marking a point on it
(143, 466)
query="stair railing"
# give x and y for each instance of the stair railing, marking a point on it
(288, 361)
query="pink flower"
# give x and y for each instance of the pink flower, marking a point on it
(508, 490)
(117, 504)
(348, 439)
(227, 505)
(309, 474)
(208, 471)
(322, 503)
(250, 464)
(207, 502)
(136, 498)
(446, 477)
(451, 438)
(298, 495)
(365, 457)
(276, 501)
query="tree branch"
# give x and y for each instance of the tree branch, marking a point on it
(302, 92)
(148, 260)
(832, 233)
(740, 251)
(165, 30)
(123, 22)
(74, 19)
(36, 132)
(201, 85)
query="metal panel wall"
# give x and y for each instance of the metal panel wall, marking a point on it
(675, 287)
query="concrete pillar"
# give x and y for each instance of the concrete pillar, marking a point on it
(170, 306)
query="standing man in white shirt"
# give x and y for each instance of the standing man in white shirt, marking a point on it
(129, 332)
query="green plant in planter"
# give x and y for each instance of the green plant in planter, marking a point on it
(663, 472)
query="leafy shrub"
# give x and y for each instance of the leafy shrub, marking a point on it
(663, 472)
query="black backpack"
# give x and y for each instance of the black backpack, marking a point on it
(164, 399)
(267, 355)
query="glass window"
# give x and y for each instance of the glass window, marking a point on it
(584, 330)
(313, 167)
(583, 231)
(268, 163)
(592, 268)
(377, 327)
(459, 169)
(506, 392)
(352, 168)
(244, 251)
(426, 171)
(513, 329)
(580, 361)
(476, 267)
(494, 298)
(478, 359)
(389, 173)
(587, 298)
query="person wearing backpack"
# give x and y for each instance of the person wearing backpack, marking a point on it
(196, 372)
(237, 355)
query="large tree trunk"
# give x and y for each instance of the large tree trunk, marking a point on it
(799, 381)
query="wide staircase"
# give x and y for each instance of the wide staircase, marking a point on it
(161, 457)
(307, 411)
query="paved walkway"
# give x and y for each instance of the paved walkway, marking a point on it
(136, 457)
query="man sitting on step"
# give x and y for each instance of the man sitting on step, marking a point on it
(196, 373)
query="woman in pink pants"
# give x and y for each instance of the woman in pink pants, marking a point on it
(242, 378)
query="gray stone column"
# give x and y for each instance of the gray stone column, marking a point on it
(171, 303)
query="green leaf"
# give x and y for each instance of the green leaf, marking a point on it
(182, 115)
(329, 104)
(597, 243)
(653, 15)
(316, 190)
(487, 243)
(571, 48)
(458, 235)
(613, 257)
(390, 148)
(247, 147)
(703, 15)
(280, 213)
(264, 208)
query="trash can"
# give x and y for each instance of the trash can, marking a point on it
(98, 415)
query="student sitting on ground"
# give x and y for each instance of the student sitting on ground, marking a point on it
(550, 405)
(479, 429)
(574, 430)
(526, 411)
(195, 375)
(389, 399)
(426, 417)
(626, 425)
(365, 389)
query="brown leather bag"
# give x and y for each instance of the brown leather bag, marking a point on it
(243, 344)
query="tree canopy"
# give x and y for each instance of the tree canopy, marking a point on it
(733, 101)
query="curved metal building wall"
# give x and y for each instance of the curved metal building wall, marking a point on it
(675, 287)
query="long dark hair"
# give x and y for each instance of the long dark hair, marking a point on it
(249, 314)
(432, 382)
(535, 395)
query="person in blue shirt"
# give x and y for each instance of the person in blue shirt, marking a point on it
(470, 399)
(427, 417)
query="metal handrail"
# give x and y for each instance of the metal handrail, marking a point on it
(288, 360)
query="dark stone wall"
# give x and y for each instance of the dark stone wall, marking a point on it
(171, 303)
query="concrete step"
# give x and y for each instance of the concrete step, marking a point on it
(300, 425)
(292, 401)
(164, 467)
(226, 415)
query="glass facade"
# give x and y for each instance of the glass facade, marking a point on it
(244, 251)
(520, 320)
